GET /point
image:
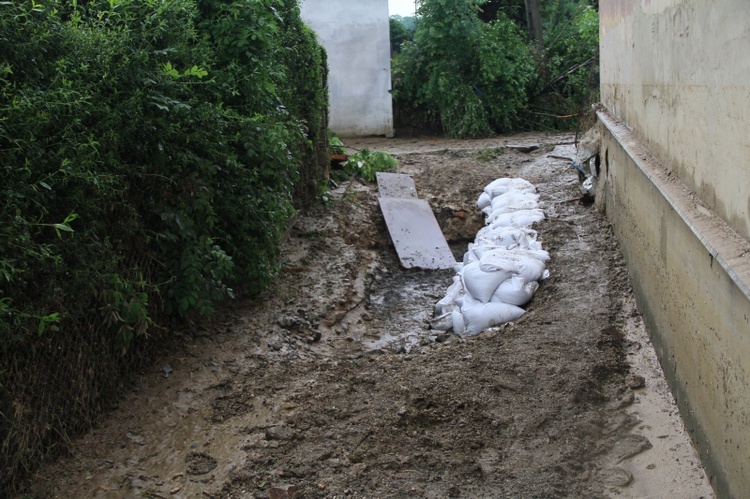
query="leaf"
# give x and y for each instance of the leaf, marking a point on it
(195, 71)
(44, 320)
(65, 227)
(170, 70)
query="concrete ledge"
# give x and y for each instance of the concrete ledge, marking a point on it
(691, 274)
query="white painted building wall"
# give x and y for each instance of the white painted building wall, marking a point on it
(356, 35)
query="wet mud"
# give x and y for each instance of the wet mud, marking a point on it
(332, 384)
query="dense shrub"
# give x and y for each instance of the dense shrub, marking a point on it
(467, 75)
(305, 93)
(149, 152)
(470, 72)
(566, 79)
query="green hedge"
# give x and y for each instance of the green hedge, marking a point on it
(149, 154)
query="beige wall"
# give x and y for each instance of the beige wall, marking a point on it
(678, 73)
(675, 83)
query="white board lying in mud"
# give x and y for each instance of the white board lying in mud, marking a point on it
(415, 233)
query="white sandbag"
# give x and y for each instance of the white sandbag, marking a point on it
(484, 200)
(497, 183)
(500, 252)
(448, 302)
(457, 318)
(503, 190)
(499, 260)
(504, 184)
(501, 267)
(523, 218)
(481, 284)
(539, 254)
(483, 234)
(460, 299)
(508, 237)
(475, 252)
(480, 316)
(471, 256)
(515, 291)
(513, 198)
(520, 206)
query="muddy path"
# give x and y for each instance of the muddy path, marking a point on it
(332, 384)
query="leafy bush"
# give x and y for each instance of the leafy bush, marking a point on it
(567, 68)
(467, 75)
(335, 146)
(149, 153)
(470, 73)
(366, 164)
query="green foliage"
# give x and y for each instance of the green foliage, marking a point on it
(150, 152)
(470, 72)
(467, 75)
(126, 311)
(487, 154)
(513, 9)
(149, 128)
(305, 95)
(566, 79)
(366, 164)
(335, 146)
(408, 22)
(399, 33)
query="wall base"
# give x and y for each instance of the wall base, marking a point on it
(691, 274)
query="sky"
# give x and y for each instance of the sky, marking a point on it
(403, 8)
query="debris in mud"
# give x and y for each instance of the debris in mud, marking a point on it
(199, 463)
(289, 492)
(616, 477)
(629, 446)
(635, 381)
(524, 148)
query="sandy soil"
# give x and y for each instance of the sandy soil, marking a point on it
(333, 385)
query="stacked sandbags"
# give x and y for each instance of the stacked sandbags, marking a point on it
(503, 266)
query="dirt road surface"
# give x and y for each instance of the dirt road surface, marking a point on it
(332, 384)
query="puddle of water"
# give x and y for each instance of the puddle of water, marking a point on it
(406, 298)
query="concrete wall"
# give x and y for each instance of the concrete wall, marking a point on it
(678, 73)
(356, 35)
(675, 84)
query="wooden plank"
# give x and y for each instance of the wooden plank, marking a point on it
(416, 234)
(396, 185)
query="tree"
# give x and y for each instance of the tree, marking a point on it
(399, 34)
(470, 72)
(466, 75)
(534, 21)
(515, 10)
(566, 65)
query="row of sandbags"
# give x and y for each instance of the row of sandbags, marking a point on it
(503, 266)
